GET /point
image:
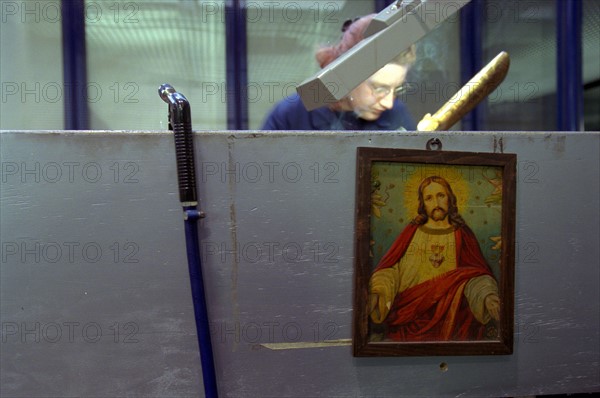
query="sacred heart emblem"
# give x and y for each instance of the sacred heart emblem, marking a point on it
(437, 258)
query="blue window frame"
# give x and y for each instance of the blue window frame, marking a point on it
(569, 88)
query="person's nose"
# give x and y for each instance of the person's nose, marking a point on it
(387, 102)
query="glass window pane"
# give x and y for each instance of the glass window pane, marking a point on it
(283, 37)
(435, 76)
(134, 47)
(282, 45)
(526, 100)
(31, 72)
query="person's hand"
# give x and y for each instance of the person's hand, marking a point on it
(492, 304)
(373, 299)
(378, 307)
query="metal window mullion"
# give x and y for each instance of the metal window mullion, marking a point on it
(236, 65)
(569, 67)
(471, 57)
(381, 4)
(74, 65)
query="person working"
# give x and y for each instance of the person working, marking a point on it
(372, 105)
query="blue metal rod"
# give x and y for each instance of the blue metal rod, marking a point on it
(569, 85)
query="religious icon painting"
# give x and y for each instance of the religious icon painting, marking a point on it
(434, 263)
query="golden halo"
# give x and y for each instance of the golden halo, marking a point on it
(454, 175)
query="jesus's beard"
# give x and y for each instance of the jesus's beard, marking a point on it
(438, 214)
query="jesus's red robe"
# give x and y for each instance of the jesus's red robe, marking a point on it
(436, 310)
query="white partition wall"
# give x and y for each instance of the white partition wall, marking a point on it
(94, 287)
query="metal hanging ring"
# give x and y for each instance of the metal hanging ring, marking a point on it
(434, 144)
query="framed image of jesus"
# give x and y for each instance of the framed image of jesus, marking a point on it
(434, 253)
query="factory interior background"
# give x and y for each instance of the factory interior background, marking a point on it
(234, 60)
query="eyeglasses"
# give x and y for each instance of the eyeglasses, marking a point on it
(384, 91)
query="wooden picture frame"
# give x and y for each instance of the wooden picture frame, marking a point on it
(434, 253)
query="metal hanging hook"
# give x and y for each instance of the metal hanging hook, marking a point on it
(434, 144)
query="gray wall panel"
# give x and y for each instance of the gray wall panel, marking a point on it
(84, 253)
